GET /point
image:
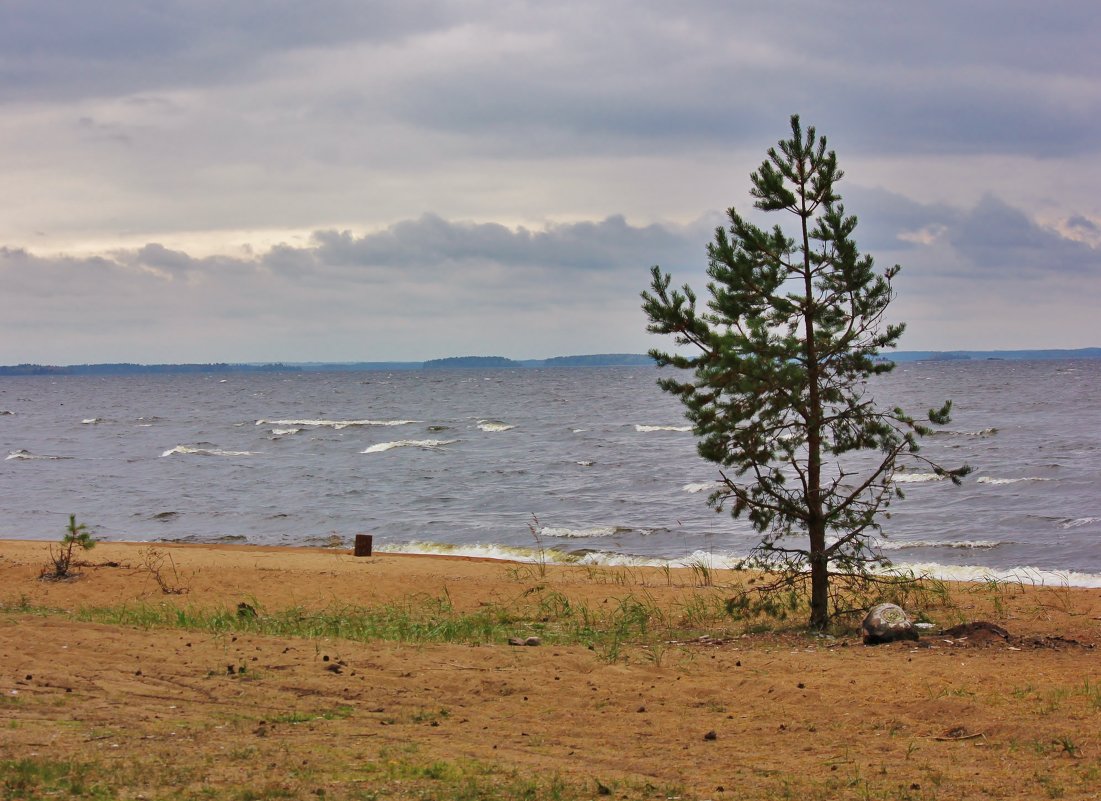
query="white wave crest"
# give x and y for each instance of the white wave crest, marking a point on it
(581, 533)
(336, 424)
(985, 432)
(915, 478)
(895, 545)
(494, 425)
(283, 432)
(645, 429)
(1032, 576)
(731, 561)
(992, 480)
(91, 421)
(709, 486)
(188, 450)
(1077, 523)
(585, 462)
(428, 444)
(479, 551)
(25, 454)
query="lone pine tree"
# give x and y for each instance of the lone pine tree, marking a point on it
(781, 358)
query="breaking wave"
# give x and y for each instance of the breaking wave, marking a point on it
(709, 486)
(25, 454)
(895, 545)
(494, 425)
(427, 444)
(986, 432)
(645, 429)
(336, 424)
(1032, 576)
(478, 551)
(188, 450)
(992, 480)
(582, 533)
(915, 478)
(1081, 521)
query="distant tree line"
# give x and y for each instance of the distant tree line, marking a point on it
(486, 362)
(491, 362)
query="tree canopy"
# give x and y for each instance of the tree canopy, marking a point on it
(780, 357)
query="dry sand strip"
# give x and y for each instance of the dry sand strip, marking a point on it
(161, 711)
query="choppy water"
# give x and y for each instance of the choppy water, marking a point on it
(461, 460)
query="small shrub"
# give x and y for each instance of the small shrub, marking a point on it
(168, 578)
(60, 566)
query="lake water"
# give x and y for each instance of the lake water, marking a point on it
(460, 461)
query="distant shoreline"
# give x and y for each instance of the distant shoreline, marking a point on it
(497, 362)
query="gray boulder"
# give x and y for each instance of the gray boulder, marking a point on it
(887, 623)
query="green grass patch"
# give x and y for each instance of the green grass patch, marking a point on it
(46, 778)
(634, 619)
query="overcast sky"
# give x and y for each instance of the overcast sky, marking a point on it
(228, 180)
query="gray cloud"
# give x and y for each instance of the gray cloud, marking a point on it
(60, 50)
(451, 285)
(605, 245)
(1003, 240)
(166, 139)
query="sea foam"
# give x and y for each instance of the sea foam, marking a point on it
(188, 450)
(646, 429)
(986, 432)
(900, 545)
(731, 561)
(337, 424)
(1078, 522)
(915, 478)
(1032, 576)
(709, 486)
(992, 480)
(494, 425)
(581, 533)
(427, 444)
(27, 455)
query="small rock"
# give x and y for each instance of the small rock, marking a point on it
(887, 623)
(515, 641)
(711, 735)
(533, 641)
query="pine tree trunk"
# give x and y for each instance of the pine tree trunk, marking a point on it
(819, 578)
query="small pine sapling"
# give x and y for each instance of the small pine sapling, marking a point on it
(61, 565)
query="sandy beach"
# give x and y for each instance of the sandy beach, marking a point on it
(173, 671)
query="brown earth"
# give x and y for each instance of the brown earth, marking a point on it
(135, 712)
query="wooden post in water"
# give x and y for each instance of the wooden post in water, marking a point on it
(363, 544)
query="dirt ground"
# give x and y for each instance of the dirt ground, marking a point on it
(157, 712)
